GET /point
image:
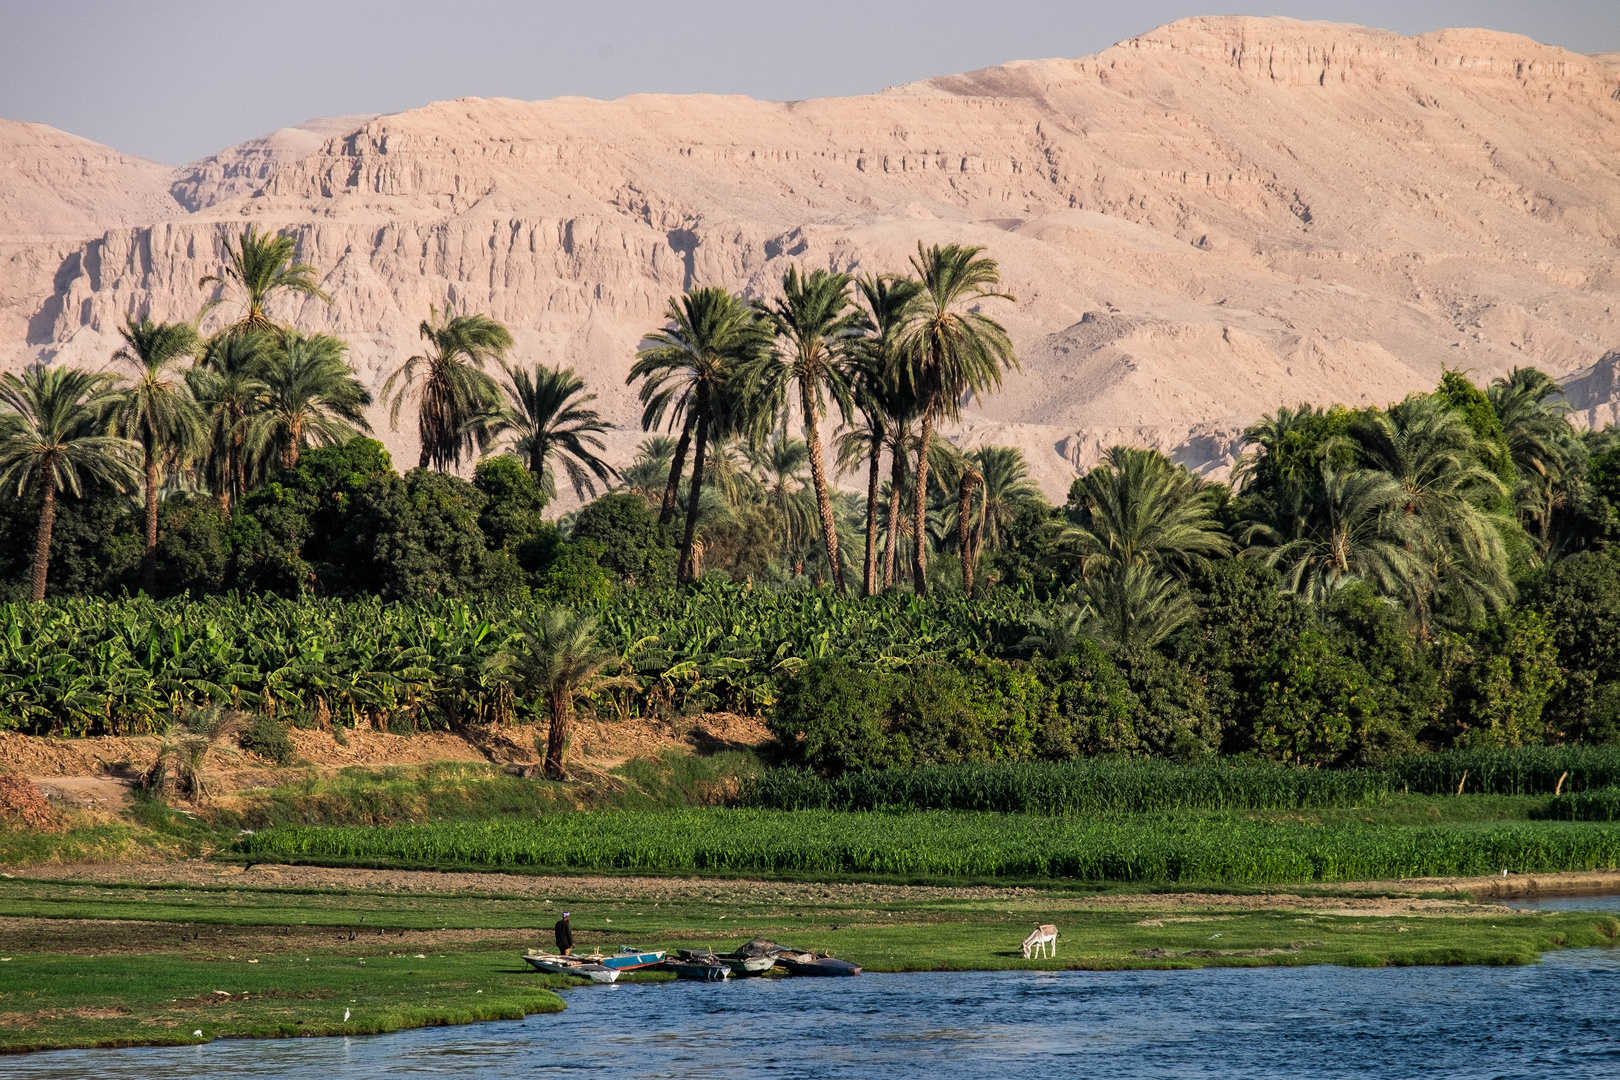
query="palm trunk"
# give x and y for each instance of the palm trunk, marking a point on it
(149, 557)
(869, 579)
(829, 528)
(897, 476)
(562, 717)
(684, 575)
(978, 531)
(919, 512)
(42, 539)
(964, 534)
(289, 455)
(666, 513)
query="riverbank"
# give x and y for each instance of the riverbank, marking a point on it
(188, 952)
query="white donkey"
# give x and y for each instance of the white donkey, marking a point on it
(1045, 934)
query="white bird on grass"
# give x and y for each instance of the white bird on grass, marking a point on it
(345, 1016)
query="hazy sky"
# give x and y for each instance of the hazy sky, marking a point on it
(174, 80)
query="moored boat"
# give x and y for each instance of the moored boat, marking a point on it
(739, 963)
(810, 964)
(628, 958)
(583, 967)
(701, 968)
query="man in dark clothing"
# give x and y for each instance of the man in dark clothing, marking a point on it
(565, 935)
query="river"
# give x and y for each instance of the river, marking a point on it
(1555, 1019)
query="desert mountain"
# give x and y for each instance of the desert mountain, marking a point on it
(1199, 224)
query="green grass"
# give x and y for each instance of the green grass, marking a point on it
(1214, 849)
(55, 1001)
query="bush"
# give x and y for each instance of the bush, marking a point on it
(831, 717)
(267, 738)
(636, 550)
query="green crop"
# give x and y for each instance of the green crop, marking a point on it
(1097, 786)
(73, 666)
(1523, 770)
(954, 844)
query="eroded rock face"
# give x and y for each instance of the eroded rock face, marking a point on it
(1201, 224)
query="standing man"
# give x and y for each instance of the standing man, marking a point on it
(565, 935)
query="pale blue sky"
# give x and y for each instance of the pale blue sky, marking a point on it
(174, 80)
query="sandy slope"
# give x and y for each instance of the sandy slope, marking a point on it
(1199, 224)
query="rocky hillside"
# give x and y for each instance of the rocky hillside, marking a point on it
(1199, 224)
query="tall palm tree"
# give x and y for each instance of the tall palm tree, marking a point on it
(818, 328)
(685, 368)
(560, 658)
(548, 414)
(229, 387)
(1139, 507)
(1350, 526)
(781, 464)
(53, 438)
(458, 404)
(883, 397)
(260, 268)
(953, 350)
(312, 397)
(158, 411)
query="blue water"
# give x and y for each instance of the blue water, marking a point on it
(1552, 1020)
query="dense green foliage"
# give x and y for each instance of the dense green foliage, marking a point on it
(1101, 786)
(1214, 850)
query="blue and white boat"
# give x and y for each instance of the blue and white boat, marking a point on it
(628, 958)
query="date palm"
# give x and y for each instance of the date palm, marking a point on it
(457, 402)
(1007, 486)
(547, 412)
(53, 438)
(229, 387)
(158, 412)
(1140, 508)
(1546, 452)
(650, 467)
(953, 350)
(1429, 450)
(1350, 526)
(311, 398)
(881, 394)
(686, 368)
(259, 268)
(781, 464)
(559, 657)
(818, 330)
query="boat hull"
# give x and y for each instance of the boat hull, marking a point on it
(581, 969)
(630, 961)
(823, 966)
(699, 972)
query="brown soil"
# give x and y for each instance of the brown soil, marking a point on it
(95, 773)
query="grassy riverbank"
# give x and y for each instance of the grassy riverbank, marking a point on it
(110, 963)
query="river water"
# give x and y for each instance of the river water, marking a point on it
(1555, 1019)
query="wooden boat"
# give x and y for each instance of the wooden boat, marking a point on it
(809, 963)
(701, 968)
(628, 958)
(583, 967)
(740, 964)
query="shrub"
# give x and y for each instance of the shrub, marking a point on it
(267, 738)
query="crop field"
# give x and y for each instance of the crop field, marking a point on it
(1209, 849)
(1097, 786)
(71, 666)
(1523, 770)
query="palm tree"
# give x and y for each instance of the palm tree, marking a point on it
(53, 438)
(1350, 526)
(1535, 422)
(782, 464)
(883, 397)
(311, 397)
(649, 468)
(685, 368)
(187, 741)
(559, 657)
(158, 411)
(1429, 450)
(1140, 508)
(1007, 487)
(458, 404)
(549, 417)
(818, 327)
(229, 387)
(261, 267)
(953, 350)
(1136, 604)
